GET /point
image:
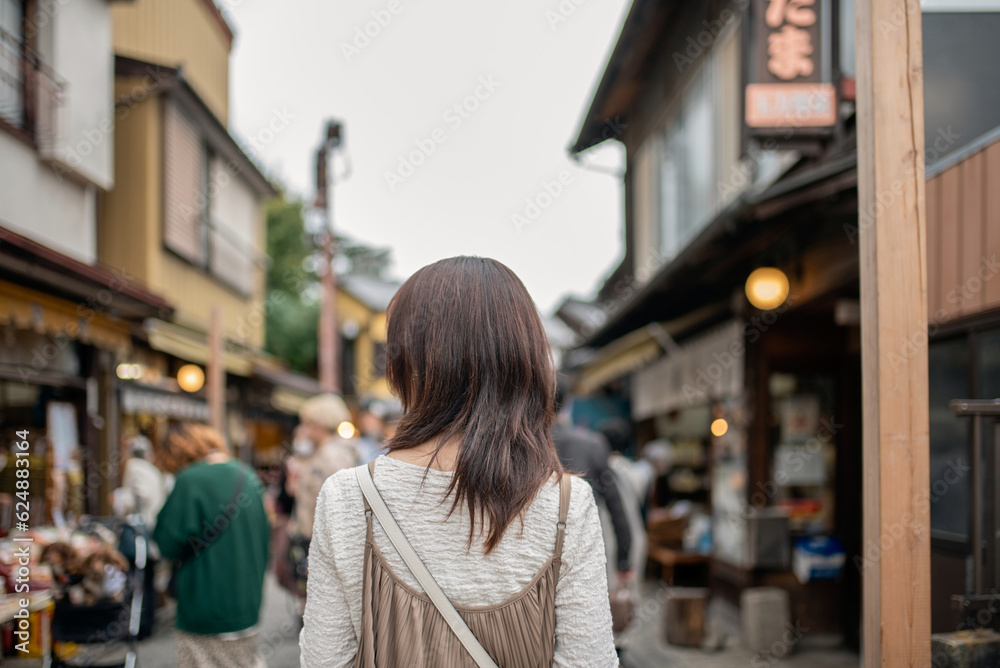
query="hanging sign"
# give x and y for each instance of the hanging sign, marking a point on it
(790, 87)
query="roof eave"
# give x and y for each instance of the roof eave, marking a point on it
(591, 132)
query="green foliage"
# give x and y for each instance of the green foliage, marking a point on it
(292, 316)
(288, 246)
(291, 331)
(364, 260)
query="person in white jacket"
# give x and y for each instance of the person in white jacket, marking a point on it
(144, 486)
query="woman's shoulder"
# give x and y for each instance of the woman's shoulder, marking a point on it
(342, 485)
(581, 498)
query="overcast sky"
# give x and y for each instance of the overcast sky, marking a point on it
(522, 72)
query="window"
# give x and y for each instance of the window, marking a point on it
(210, 213)
(699, 169)
(185, 203)
(846, 42)
(31, 93)
(961, 98)
(12, 62)
(949, 364)
(988, 365)
(699, 117)
(967, 367)
(232, 217)
(672, 193)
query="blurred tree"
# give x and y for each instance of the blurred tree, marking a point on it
(291, 331)
(292, 308)
(362, 260)
(288, 246)
(293, 284)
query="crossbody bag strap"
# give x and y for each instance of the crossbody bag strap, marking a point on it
(420, 572)
(188, 552)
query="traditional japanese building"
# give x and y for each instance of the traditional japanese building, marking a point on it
(732, 325)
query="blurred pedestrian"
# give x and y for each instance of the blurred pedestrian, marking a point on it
(586, 452)
(144, 486)
(320, 451)
(475, 486)
(214, 526)
(144, 489)
(374, 425)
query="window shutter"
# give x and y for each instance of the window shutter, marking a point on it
(184, 188)
(233, 227)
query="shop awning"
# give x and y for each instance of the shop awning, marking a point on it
(27, 309)
(291, 389)
(618, 358)
(630, 352)
(192, 345)
(88, 288)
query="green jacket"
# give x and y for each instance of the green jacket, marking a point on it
(219, 589)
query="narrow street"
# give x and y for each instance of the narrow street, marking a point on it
(279, 632)
(725, 272)
(643, 645)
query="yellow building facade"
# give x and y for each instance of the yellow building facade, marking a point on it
(186, 218)
(361, 305)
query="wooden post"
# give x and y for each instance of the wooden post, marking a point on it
(216, 372)
(892, 237)
(329, 350)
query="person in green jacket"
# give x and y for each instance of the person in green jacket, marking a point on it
(214, 527)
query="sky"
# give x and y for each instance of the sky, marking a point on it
(456, 117)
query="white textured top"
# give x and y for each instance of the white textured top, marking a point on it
(332, 622)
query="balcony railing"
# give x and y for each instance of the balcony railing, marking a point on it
(32, 96)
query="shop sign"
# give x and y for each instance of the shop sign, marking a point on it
(140, 402)
(707, 368)
(790, 92)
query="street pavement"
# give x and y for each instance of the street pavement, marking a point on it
(279, 632)
(643, 644)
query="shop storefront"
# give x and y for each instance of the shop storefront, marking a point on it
(64, 326)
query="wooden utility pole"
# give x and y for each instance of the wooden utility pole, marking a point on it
(328, 352)
(329, 334)
(216, 372)
(892, 237)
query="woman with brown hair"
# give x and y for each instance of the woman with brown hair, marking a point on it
(466, 545)
(214, 527)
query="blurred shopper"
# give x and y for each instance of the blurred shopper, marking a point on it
(658, 459)
(214, 526)
(474, 483)
(375, 424)
(283, 493)
(586, 452)
(144, 489)
(319, 452)
(144, 486)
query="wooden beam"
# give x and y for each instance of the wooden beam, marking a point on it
(892, 237)
(216, 372)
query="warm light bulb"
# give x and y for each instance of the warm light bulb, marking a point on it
(346, 430)
(190, 377)
(129, 371)
(767, 288)
(719, 427)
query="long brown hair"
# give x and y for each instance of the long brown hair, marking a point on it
(468, 357)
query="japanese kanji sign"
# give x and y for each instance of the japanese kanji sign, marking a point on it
(789, 87)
